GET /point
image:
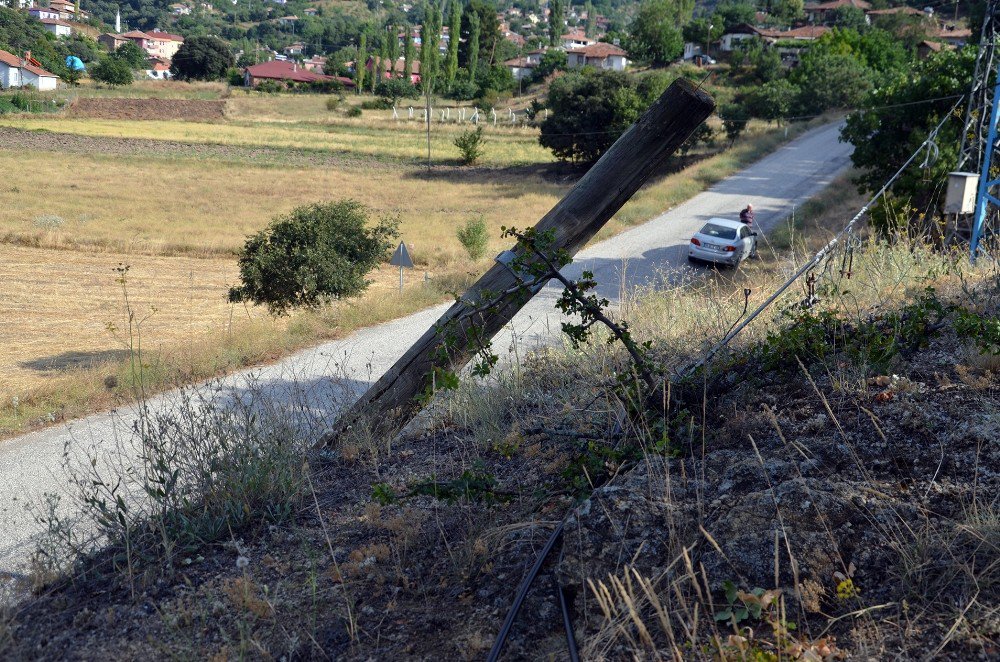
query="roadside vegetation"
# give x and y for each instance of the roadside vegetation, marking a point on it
(822, 490)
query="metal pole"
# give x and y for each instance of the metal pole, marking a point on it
(400, 279)
(983, 196)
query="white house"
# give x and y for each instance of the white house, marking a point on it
(736, 35)
(43, 13)
(520, 67)
(599, 55)
(576, 39)
(57, 27)
(19, 72)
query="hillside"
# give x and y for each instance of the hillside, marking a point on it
(827, 490)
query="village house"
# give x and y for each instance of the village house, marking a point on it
(66, 9)
(575, 39)
(599, 55)
(397, 68)
(294, 49)
(57, 27)
(158, 69)
(316, 63)
(179, 9)
(43, 12)
(288, 21)
(287, 72)
(951, 34)
(157, 44)
(927, 48)
(520, 67)
(24, 72)
(310, 11)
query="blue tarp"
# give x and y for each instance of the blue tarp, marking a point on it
(75, 63)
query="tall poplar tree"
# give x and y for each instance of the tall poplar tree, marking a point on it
(454, 29)
(408, 54)
(556, 9)
(359, 62)
(591, 28)
(473, 46)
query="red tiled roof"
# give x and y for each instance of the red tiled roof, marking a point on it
(164, 36)
(600, 49)
(945, 33)
(805, 32)
(12, 60)
(398, 67)
(54, 21)
(134, 34)
(285, 70)
(576, 35)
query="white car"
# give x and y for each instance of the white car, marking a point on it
(723, 241)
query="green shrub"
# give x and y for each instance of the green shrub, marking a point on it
(474, 237)
(377, 104)
(316, 254)
(353, 111)
(470, 144)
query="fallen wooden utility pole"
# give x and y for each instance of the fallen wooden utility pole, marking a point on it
(455, 339)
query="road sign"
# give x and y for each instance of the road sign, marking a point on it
(401, 258)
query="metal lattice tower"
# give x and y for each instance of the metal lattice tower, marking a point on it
(978, 150)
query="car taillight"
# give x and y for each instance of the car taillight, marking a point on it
(730, 249)
(694, 240)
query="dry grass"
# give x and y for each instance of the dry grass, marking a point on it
(405, 142)
(201, 207)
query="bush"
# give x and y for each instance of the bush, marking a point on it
(471, 145)
(353, 111)
(590, 110)
(112, 72)
(463, 90)
(474, 237)
(377, 104)
(333, 103)
(316, 254)
(394, 89)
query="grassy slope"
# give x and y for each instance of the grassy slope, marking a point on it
(352, 576)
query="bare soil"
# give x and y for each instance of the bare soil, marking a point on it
(192, 110)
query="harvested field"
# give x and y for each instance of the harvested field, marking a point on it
(194, 110)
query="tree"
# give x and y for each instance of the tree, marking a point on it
(590, 110)
(131, 55)
(731, 14)
(556, 11)
(830, 81)
(454, 29)
(591, 26)
(112, 72)
(654, 34)
(316, 254)
(849, 17)
(734, 120)
(470, 145)
(773, 100)
(430, 34)
(489, 33)
(202, 58)
(361, 62)
(554, 59)
(394, 89)
(884, 139)
(786, 11)
(408, 55)
(702, 31)
(473, 62)
(474, 236)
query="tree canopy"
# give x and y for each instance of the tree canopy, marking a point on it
(655, 34)
(202, 58)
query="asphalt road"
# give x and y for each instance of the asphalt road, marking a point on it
(314, 384)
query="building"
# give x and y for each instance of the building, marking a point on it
(158, 69)
(520, 67)
(288, 21)
(179, 9)
(66, 9)
(951, 34)
(43, 12)
(733, 38)
(575, 39)
(294, 49)
(316, 63)
(822, 13)
(927, 48)
(397, 68)
(905, 11)
(599, 55)
(24, 72)
(111, 41)
(57, 27)
(288, 73)
(163, 45)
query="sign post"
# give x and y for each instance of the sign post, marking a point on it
(401, 258)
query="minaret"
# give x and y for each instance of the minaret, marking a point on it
(118, 22)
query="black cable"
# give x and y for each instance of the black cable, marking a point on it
(522, 592)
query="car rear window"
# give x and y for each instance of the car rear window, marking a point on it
(719, 231)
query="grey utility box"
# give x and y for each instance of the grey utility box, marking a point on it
(961, 196)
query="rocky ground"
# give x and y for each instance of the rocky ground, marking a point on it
(814, 511)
